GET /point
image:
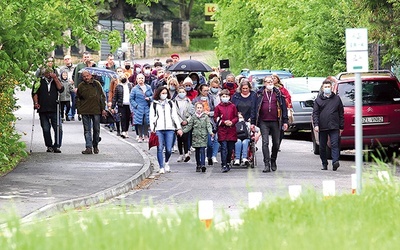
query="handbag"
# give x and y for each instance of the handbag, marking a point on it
(153, 140)
(108, 119)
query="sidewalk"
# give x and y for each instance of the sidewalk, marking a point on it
(46, 183)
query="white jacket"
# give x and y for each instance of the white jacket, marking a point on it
(162, 117)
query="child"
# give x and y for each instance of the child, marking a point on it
(242, 143)
(226, 117)
(65, 96)
(200, 123)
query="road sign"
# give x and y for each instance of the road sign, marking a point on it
(209, 12)
(357, 50)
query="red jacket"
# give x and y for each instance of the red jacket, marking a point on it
(191, 94)
(222, 113)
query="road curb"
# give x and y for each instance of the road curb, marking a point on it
(100, 196)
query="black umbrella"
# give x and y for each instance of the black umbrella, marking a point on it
(190, 66)
(100, 72)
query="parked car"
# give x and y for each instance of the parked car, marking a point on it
(303, 91)
(256, 76)
(380, 111)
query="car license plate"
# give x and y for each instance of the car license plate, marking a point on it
(372, 119)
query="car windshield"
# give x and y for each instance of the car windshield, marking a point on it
(373, 92)
(295, 88)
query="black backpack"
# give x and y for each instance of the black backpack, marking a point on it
(242, 130)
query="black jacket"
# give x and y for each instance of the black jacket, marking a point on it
(328, 112)
(47, 99)
(119, 95)
(281, 102)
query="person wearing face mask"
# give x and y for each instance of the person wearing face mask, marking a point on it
(164, 120)
(230, 84)
(200, 123)
(172, 85)
(185, 109)
(328, 120)
(190, 91)
(121, 100)
(128, 71)
(270, 117)
(149, 77)
(137, 69)
(213, 146)
(226, 117)
(140, 99)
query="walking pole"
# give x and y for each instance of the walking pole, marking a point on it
(33, 129)
(58, 121)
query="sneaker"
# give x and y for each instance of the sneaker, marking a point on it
(167, 168)
(324, 167)
(198, 168)
(123, 135)
(161, 171)
(95, 150)
(73, 119)
(336, 165)
(118, 134)
(203, 169)
(57, 150)
(187, 158)
(237, 162)
(50, 150)
(138, 140)
(192, 149)
(224, 169)
(210, 162)
(214, 159)
(180, 158)
(79, 118)
(67, 119)
(126, 134)
(87, 151)
(245, 162)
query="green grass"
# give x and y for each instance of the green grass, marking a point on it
(201, 44)
(366, 221)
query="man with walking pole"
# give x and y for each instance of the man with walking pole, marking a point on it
(45, 95)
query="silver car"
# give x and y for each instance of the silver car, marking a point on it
(303, 91)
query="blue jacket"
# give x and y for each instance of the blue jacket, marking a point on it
(139, 105)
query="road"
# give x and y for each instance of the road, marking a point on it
(183, 187)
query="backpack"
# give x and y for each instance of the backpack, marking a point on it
(242, 130)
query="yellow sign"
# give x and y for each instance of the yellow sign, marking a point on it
(209, 11)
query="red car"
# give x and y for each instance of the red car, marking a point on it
(380, 111)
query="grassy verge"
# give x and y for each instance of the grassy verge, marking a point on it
(202, 44)
(367, 221)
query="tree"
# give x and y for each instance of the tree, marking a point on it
(306, 37)
(29, 30)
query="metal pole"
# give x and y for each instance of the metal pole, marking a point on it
(359, 131)
(33, 130)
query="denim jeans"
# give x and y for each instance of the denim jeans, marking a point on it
(241, 148)
(165, 139)
(226, 151)
(267, 128)
(212, 146)
(89, 122)
(48, 121)
(323, 140)
(73, 107)
(200, 156)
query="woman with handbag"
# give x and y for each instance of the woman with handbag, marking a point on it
(164, 120)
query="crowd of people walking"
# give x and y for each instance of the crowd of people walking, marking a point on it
(187, 111)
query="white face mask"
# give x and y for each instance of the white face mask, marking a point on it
(224, 99)
(147, 71)
(163, 96)
(270, 87)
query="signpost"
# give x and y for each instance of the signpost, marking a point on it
(357, 62)
(209, 11)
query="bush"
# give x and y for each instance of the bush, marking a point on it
(11, 149)
(200, 44)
